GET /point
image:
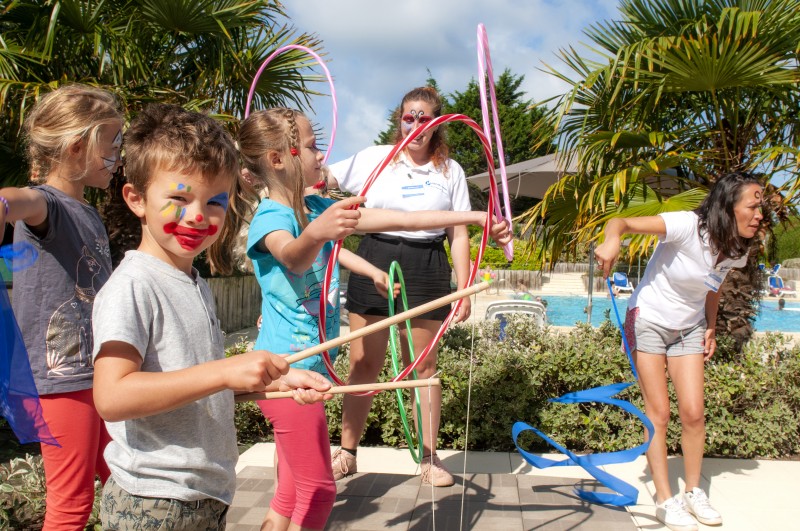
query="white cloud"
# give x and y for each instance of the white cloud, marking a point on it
(379, 50)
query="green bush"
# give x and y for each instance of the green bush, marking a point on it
(752, 398)
(22, 492)
(787, 244)
(22, 488)
(495, 258)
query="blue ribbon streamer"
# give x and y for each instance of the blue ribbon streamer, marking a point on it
(18, 256)
(19, 400)
(626, 494)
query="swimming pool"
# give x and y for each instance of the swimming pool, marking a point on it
(566, 311)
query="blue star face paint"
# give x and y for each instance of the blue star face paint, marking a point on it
(221, 200)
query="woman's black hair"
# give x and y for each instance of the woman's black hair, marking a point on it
(718, 219)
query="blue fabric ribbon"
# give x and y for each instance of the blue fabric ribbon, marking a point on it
(19, 400)
(623, 493)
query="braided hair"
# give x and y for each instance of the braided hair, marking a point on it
(275, 129)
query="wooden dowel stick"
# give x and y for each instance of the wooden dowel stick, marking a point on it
(389, 321)
(335, 390)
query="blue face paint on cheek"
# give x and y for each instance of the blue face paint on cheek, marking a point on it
(221, 199)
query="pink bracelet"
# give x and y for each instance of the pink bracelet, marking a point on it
(5, 202)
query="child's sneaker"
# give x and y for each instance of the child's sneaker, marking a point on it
(697, 503)
(343, 464)
(673, 514)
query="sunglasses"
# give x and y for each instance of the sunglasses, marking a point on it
(422, 119)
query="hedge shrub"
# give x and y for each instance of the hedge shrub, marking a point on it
(22, 492)
(787, 245)
(752, 398)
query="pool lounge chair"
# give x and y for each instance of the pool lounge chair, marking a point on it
(764, 291)
(622, 283)
(501, 309)
(777, 288)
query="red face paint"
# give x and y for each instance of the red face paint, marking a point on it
(189, 238)
(198, 218)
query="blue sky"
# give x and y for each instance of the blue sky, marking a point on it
(378, 50)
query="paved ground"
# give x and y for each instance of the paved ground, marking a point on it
(397, 500)
(501, 492)
(492, 501)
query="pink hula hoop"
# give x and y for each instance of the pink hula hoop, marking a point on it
(484, 68)
(335, 107)
(487, 150)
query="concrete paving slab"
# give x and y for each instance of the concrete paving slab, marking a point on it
(477, 462)
(520, 466)
(386, 460)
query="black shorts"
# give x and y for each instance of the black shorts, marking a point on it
(426, 273)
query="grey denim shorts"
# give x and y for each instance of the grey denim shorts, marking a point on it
(652, 338)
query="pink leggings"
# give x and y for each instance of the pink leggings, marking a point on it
(306, 490)
(70, 470)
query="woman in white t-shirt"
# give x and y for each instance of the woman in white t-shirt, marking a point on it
(671, 321)
(421, 177)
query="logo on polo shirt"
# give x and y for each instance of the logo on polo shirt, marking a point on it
(438, 186)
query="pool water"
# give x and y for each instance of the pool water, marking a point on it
(566, 311)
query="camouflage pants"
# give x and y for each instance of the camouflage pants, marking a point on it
(120, 510)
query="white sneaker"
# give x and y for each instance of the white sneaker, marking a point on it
(697, 503)
(672, 513)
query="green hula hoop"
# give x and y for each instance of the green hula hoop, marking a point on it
(394, 341)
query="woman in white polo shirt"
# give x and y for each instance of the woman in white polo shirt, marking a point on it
(421, 177)
(671, 321)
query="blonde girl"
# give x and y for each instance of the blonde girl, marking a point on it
(73, 136)
(290, 241)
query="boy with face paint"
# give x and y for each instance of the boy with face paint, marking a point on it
(162, 382)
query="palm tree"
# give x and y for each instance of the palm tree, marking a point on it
(196, 53)
(201, 54)
(672, 95)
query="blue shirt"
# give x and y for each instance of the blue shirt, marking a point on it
(290, 302)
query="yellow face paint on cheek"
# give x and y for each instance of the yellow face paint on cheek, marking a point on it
(171, 207)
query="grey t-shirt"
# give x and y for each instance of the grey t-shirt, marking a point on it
(190, 453)
(53, 298)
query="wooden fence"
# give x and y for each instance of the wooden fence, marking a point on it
(788, 273)
(508, 279)
(238, 301)
(504, 279)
